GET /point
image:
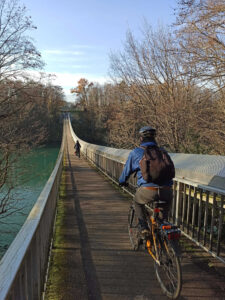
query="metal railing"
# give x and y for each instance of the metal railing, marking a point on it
(198, 209)
(23, 267)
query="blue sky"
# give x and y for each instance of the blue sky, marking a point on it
(76, 37)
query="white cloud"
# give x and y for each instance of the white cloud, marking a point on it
(65, 59)
(79, 66)
(83, 47)
(69, 80)
(70, 97)
(62, 52)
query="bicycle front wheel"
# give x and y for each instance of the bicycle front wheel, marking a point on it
(133, 229)
(168, 272)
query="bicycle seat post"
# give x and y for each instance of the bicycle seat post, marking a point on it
(156, 208)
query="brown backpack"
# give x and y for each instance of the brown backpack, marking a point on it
(156, 165)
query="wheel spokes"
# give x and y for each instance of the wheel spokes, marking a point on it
(168, 270)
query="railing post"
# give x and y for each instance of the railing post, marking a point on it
(188, 208)
(173, 208)
(194, 212)
(212, 222)
(221, 214)
(199, 216)
(206, 218)
(178, 202)
(184, 206)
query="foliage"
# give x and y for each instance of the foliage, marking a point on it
(171, 80)
(82, 90)
(200, 29)
(18, 52)
(28, 109)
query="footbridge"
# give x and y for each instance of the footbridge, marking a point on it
(90, 257)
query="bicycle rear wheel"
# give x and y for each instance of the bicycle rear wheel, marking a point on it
(133, 229)
(169, 272)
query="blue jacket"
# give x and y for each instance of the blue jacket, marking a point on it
(132, 165)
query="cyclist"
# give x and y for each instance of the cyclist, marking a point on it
(77, 148)
(146, 191)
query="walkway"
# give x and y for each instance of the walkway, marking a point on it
(91, 255)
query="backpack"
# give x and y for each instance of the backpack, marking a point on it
(156, 165)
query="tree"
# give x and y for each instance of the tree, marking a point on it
(82, 91)
(173, 81)
(201, 34)
(160, 92)
(18, 52)
(35, 124)
(17, 56)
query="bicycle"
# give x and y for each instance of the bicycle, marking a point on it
(162, 244)
(77, 153)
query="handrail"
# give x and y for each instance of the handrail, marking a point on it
(199, 191)
(23, 267)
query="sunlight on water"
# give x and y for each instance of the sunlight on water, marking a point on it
(30, 176)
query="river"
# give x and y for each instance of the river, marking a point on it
(29, 181)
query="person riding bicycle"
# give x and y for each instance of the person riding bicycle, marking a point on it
(77, 148)
(147, 191)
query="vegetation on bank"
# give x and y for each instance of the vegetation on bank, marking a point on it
(172, 79)
(29, 108)
(55, 278)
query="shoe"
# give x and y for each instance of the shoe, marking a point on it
(143, 228)
(142, 224)
(145, 233)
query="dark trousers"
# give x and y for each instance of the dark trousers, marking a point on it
(144, 196)
(77, 152)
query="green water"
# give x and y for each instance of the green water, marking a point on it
(29, 176)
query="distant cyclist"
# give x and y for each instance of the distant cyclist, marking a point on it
(77, 148)
(153, 157)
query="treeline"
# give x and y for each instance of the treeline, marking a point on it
(171, 79)
(29, 114)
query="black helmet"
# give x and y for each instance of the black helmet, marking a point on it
(147, 131)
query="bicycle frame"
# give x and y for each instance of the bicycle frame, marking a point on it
(161, 244)
(155, 231)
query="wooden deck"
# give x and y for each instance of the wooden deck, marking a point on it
(91, 257)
